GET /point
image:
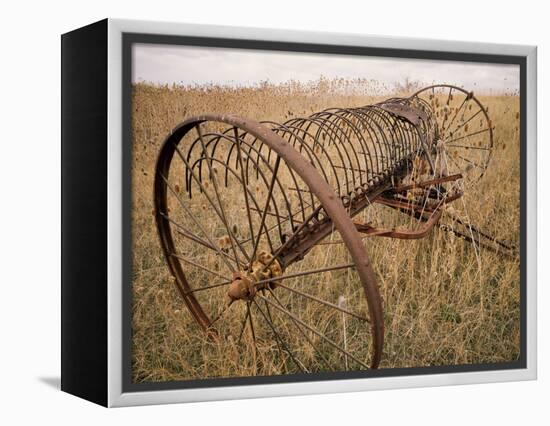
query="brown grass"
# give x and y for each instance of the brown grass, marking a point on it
(443, 305)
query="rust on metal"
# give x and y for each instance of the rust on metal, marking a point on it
(366, 228)
(305, 179)
(414, 115)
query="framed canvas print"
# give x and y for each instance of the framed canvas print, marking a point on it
(253, 212)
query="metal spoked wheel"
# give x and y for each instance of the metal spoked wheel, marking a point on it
(465, 131)
(229, 213)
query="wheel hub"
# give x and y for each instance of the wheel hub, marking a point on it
(248, 281)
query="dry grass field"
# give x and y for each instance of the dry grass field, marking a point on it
(445, 303)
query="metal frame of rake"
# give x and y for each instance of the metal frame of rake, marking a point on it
(336, 163)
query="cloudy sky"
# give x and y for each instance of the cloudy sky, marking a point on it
(164, 64)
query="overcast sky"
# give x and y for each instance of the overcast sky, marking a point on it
(165, 64)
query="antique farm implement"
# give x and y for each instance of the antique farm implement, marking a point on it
(263, 224)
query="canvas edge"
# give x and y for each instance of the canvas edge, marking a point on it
(116, 397)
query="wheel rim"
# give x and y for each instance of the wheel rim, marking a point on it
(275, 305)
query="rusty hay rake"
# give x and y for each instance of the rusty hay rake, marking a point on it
(262, 224)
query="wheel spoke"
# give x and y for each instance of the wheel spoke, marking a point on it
(243, 323)
(284, 219)
(264, 213)
(447, 104)
(209, 287)
(190, 235)
(324, 302)
(458, 167)
(456, 129)
(449, 97)
(455, 115)
(198, 181)
(302, 332)
(303, 273)
(204, 191)
(473, 163)
(232, 238)
(194, 219)
(302, 368)
(244, 182)
(224, 310)
(468, 147)
(277, 216)
(289, 240)
(468, 135)
(315, 331)
(271, 228)
(251, 323)
(197, 265)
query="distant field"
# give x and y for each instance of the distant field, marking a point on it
(445, 304)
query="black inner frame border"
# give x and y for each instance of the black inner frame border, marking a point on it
(128, 39)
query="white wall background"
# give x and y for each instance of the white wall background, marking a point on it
(30, 211)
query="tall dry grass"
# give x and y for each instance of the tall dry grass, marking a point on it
(444, 305)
